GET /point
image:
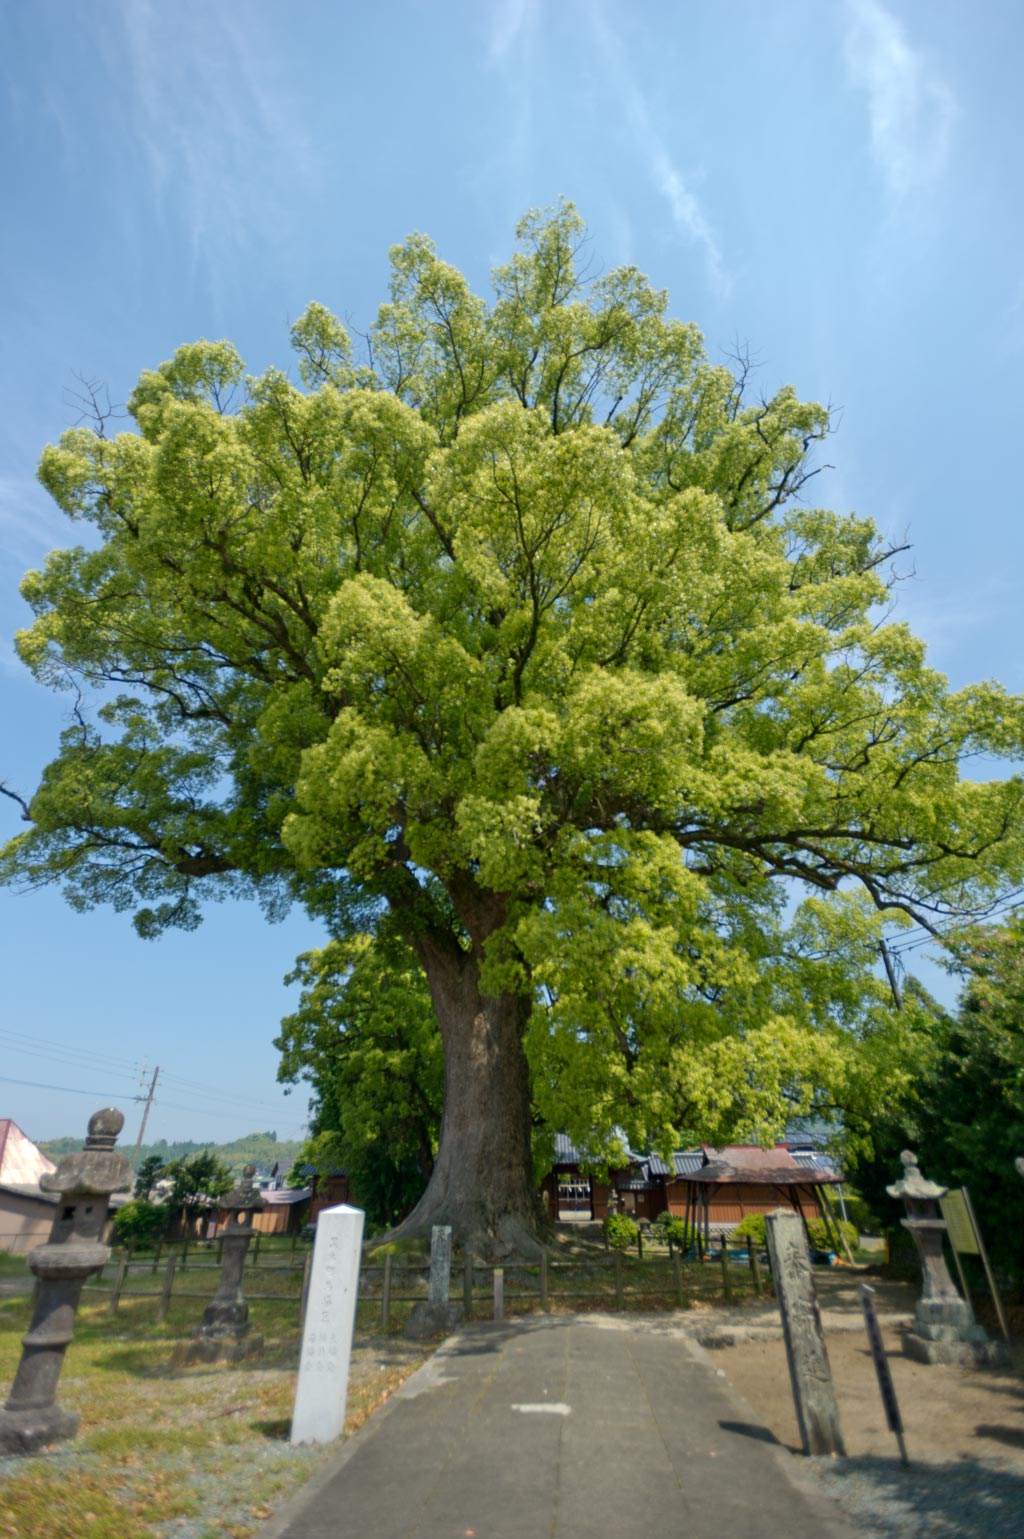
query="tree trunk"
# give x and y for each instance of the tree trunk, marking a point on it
(482, 1181)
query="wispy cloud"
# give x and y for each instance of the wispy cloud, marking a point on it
(911, 109)
(221, 139)
(685, 208)
(511, 21)
(30, 523)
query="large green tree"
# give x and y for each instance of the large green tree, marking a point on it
(517, 640)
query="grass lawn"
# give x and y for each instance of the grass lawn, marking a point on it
(195, 1452)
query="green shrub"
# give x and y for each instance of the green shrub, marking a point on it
(822, 1240)
(140, 1223)
(668, 1227)
(620, 1230)
(751, 1227)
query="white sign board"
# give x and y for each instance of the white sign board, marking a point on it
(322, 1390)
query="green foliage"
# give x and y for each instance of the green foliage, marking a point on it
(821, 1239)
(200, 1175)
(965, 1119)
(520, 642)
(672, 1228)
(141, 1224)
(620, 1230)
(752, 1227)
(365, 1038)
(149, 1172)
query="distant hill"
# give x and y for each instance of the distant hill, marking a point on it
(264, 1150)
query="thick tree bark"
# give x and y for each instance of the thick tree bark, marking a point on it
(482, 1181)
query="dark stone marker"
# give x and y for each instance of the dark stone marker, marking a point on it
(809, 1371)
(223, 1334)
(436, 1316)
(84, 1181)
(945, 1330)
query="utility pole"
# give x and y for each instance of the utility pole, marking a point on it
(145, 1118)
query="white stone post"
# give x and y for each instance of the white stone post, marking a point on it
(322, 1389)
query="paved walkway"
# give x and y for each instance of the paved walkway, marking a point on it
(561, 1428)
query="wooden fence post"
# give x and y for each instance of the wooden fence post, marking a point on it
(726, 1278)
(543, 1279)
(467, 1284)
(184, 1251)
(677, 1277)
(158, 1247)
(115, 1296)
(306, 1270)
(619, 1296)
(165, 1292)
(385, 1294)
(755, 1265)
(499, 1293)
(256, 1247)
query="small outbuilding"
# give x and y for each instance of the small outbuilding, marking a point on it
(26, 1211)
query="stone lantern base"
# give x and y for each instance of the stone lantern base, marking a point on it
(27, 1430)
(218, 1349)
(945, 1331)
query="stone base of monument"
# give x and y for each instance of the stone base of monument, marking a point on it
(218, 1349)
(27, 1431)
(427, 1320)
(945, 1331)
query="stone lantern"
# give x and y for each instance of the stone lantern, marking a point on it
(224, 1331)
(83, 1183)
(945, 1330)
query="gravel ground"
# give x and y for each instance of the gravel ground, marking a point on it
(969, 1499)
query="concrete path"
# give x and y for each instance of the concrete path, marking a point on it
(557, 1428)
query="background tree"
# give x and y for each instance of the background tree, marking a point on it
(150, 1171)
(517, 640)
(964, 1113)
(198, 1176)
(366, 1039)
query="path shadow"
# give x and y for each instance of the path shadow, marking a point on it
(750, 1429)
(962, 1500)
(1013, 1437)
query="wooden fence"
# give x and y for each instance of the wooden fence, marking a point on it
(612, 1280)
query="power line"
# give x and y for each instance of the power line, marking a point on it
(68, 1048)
(36, 1084)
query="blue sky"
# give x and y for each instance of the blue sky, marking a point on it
(837, 185)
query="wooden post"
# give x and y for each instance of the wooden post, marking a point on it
(158, 1247)
(639, 1243)
(677, 1277)
(983, 1253)
(467, 1284)
(256, 1246)
(543, 1279)
(619, 1295)
(165, 1292)
(385, 1294)
(220, 1249)
(726, 1279)
(307, 1268)
(184, 1251)
(755, 1265)
(809, 1371)
(499, 1293)
(115, 1296)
